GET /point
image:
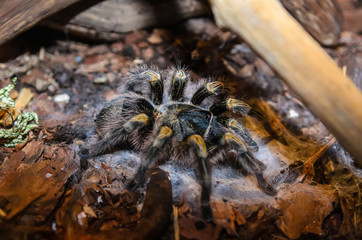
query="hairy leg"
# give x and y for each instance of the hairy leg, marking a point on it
(156, 85)
(210, 88)
(119, 135)
(179, 80)
(162, 139)
(204, 170)
(239, 129)
(247, 161)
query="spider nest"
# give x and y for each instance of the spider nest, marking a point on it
(167, 117)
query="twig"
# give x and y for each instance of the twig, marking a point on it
(175, 222)
(23, 99)
(308, 171)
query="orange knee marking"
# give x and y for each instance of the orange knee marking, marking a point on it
(164, 133)
(234, 103)
(235, 124)
(140, 118)
(200, 143)
(229, 137)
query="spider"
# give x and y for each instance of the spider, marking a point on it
(168, 117)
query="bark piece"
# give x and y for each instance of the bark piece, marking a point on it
(155, 220)
(10, 164)
(35, 188)
(107, 19)
(17, 16)
(76, 222)
(321, 18)
(33, 151)
(352, 12)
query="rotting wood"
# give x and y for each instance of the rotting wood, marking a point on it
(104, 21)
(107, 20)
(153, 223)
(17, 16)
(302, 63)
(28, 186)
(322, 19)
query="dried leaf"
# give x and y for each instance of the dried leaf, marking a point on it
(303, 209)
(226, 216)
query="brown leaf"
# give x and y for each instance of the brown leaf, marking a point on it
(304, 208)
(226, 216)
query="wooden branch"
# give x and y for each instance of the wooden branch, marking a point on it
(17, 16)
(301, 62)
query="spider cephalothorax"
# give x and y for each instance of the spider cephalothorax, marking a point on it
(168, 117)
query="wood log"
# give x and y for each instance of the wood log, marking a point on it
(352, 12)
(17, 16)
(94, 19)
(322, 19)
(301, 62)
(108, 20)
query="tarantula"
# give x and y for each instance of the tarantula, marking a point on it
(167, 116)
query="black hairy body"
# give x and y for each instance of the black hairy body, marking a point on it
(166, 116)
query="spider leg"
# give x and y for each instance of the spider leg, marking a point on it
(203, 168)
(239, 129)
(179, 80)
(230, 104)
(235, 106)
(246, 160)
(163, 137)
(119, 135)
(210, 88)
(156, 86)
